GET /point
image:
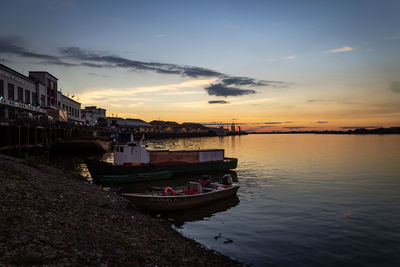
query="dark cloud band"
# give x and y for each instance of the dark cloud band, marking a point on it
(218, 102)
(75, 56)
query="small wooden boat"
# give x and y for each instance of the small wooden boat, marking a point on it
(132, 178)
(158, 201)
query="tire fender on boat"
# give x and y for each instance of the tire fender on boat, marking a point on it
(166, 189)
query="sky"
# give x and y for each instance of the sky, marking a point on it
(265, 65)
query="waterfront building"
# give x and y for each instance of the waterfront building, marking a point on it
(19, 93)
(91, 114)
(34, 94)
(191, 127)
(166, 126)
(220, 131)
(132, 125)
(71, 106)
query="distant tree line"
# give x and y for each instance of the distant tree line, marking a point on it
(391, 130)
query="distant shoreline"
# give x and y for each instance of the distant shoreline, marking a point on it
(391, 130)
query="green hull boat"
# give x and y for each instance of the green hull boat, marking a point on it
(99, 168)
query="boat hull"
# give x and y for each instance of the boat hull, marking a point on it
(97, 167)
(179, 202)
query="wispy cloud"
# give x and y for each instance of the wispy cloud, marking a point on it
(225, 85)
(321, 122)
(314, 100)
(289, 58)
(221, 90)
(359, 127)
(14, 45)
(274, 122)
(121, 96)
(296, 127)
(97, 75)
(340, 50)
(218, 102)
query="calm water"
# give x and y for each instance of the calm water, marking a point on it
(304, 200)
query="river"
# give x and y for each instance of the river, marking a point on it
(322, 200)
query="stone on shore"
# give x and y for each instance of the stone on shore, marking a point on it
(50, 217)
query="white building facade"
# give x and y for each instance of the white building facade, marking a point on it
(33, 94)
(91, 114)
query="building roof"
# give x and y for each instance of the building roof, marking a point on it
(193, 125)
(16, 73)
(69, 98)
(130, 122)
(44, 72)
(166, 124)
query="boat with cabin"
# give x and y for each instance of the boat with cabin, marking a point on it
(133, 157)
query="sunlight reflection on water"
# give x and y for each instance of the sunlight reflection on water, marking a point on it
(306, 199)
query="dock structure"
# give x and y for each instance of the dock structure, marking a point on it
(20, 137)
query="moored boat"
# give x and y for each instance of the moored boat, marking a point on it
(158, 201)
(133, 157)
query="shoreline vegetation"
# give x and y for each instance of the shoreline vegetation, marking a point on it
(391, 130)
(50, 216)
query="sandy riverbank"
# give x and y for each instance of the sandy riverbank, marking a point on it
(51, 217)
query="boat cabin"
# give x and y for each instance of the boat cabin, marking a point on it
(131, 153)
(135, 152)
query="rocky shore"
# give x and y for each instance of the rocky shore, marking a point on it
(50, 217)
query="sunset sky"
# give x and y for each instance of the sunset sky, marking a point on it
(266, 65)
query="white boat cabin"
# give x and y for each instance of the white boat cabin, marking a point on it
(136, 153)
(133, 152)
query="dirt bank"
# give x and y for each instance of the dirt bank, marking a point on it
(53, 218)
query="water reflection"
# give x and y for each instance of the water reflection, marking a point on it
(323, 200)
(179, 218)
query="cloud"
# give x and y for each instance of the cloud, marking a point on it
(120, 96)
(359, 127)
(274, 122)
(321, 122)
(74, 56)
(220, 90)
(14, 45)
(395, 87)
(296, 127)
(76, 53)
(340, 50)
(251, 82)
(289, 58)
(314, 100)
(218, 102)
(97, 75)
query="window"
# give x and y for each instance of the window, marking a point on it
(27, 97)
(11, 91)
(34, 98)
(42, 100)
(20, 95)
(1, 88)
